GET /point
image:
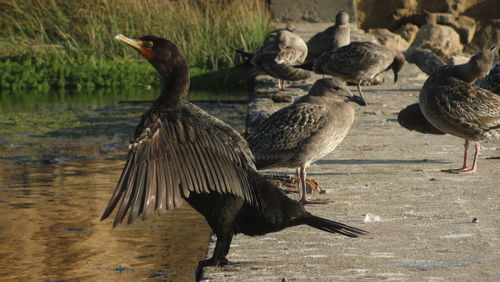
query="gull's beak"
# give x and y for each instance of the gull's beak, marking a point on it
(358, 100)
(136, 44)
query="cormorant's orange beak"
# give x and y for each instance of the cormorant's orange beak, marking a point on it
(137, 45)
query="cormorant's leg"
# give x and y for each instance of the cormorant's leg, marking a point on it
(221, 250)
(303, 189)
(464, 167)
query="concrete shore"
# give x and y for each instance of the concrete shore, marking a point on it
(387, 180)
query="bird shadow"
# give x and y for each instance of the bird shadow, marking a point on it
(391, 90)
(377, 161)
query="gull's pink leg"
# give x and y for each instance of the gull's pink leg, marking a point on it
(299, 182)
(464, 169)
(474, 164)
(281, 85)
(359, 88)
(301, 171)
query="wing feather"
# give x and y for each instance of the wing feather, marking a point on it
(176, 153)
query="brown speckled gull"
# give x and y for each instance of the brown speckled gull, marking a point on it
(307, 130)
(281, 55)
(451, 103)
(335, 36)
(359, 61)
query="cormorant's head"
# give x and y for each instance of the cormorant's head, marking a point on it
(163, 54)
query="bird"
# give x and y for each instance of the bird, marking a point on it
(181, 153)
(452, 104)
(278, 56)
(359, 61)
(333, 37)
(305, 131)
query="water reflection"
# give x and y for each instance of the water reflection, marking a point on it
(58, 166)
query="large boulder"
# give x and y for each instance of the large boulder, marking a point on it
(389, 39)
(486, 37)
(441, 37)
(392, 14)
(383, 13)
(455, 7)
(466, 28)
(425, 59)
(358, 34)
(463, 25)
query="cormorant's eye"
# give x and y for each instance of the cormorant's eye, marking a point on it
(148, 44)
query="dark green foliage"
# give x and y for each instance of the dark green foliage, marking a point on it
(20, 73)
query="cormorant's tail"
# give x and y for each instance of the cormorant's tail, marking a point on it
(248, 58)
(331, 226)
(245, 54)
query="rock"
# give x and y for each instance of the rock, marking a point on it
(486, 37)
(371, 15)
(466, 27)
(425, 59)
(438, 37)
(393, 14)
(491, 82)
(463, 25)
(454, 7)
(358, 34)
(407, 32)
(389, 39)
(444, 18)
(458, 60)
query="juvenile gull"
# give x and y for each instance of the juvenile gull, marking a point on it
(335, 36)
(181, 153)
(278, 60)
(307, 130)
(279, 55)
(359, 61)
(452, 104)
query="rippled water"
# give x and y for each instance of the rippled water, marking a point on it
(60, 158)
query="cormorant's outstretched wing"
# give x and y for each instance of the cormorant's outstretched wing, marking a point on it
(176, 153)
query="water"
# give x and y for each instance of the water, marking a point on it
(60, 157)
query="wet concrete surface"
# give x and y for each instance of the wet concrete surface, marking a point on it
(424, 224)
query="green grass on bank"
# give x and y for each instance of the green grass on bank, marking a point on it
(50, 44)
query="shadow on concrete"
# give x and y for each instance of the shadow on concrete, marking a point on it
(378, 161)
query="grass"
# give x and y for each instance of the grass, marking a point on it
(49, 44)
